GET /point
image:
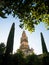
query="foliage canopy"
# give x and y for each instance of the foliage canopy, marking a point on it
(30, 12)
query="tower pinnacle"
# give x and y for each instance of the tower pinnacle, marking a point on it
(24, 37)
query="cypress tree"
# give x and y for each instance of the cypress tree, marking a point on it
(10, 41)
(44, 48)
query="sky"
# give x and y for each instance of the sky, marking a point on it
(34, 38)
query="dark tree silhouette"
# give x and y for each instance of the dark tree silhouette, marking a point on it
(44, 48)
(9, 47)
(10, 41)
(32, 60)
(2, 52)
(2, 48)
(18, 59)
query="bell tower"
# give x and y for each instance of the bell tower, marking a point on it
(24, 47)
(24, 41)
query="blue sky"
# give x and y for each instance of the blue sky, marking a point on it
(33, 38)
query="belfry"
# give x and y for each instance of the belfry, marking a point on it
(24, 41)
(24, 47)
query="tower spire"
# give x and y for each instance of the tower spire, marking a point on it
(24, 37)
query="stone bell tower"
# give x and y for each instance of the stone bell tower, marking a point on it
(24, 41)
(24, 47)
